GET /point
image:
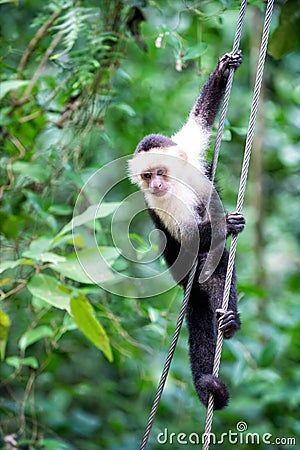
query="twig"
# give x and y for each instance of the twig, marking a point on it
(10, 175)
(39, 69)
(34, 41)
(13, 291)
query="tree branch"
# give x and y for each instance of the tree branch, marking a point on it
(34, 41)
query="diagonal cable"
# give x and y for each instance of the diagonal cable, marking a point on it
(169, 357)
(240, 200)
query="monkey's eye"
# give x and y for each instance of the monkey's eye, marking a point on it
(160, 172)
(146, 175)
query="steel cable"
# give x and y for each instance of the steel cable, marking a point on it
(240, 201)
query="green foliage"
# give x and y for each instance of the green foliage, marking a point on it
(4, 327)
(79, 364)
(286, 36)
(84, 317)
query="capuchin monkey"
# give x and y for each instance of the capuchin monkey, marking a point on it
(175, 179)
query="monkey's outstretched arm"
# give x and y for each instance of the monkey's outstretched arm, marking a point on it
(208, 103)
(194, 135)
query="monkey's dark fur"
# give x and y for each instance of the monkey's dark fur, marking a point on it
(203, 311)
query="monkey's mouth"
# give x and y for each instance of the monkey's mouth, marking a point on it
(158, 192)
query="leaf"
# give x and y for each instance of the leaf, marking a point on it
(51, 291)
(60, 210)
(286, 36)
(84, 316)
(240, 131)
(226, 136)
(11, 85)
(268, 354)
(125, 108)
(4, 327)
(12, 264)
(76, 240)
(240, 371)
(51, 444)
(89, 266)
(17, 362)
(92, 213)
(143, 245)
(41, 244)
(195, 52)
(6, 281)
(44, 257)
(34, 171)
(35, 335)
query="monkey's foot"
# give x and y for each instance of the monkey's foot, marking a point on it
(235, 223)
(228, 61)
(229, 322)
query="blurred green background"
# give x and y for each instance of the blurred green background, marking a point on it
(81, 83)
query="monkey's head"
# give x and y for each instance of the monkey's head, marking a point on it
(157, 165)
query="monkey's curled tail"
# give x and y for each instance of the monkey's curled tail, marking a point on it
(202, 343)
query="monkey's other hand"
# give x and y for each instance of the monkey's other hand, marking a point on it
(228, 61)
(235, 222)
(229, 322)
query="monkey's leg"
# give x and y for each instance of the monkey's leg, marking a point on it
(202, 341)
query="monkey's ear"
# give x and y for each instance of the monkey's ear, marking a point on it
(182, 155)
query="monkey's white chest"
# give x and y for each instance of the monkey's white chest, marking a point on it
(177, 212)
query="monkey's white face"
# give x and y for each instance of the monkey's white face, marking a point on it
(156, 181)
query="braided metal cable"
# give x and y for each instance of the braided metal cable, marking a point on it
(192, 273)
(169, 357)
(240, 200)
(235, 47)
